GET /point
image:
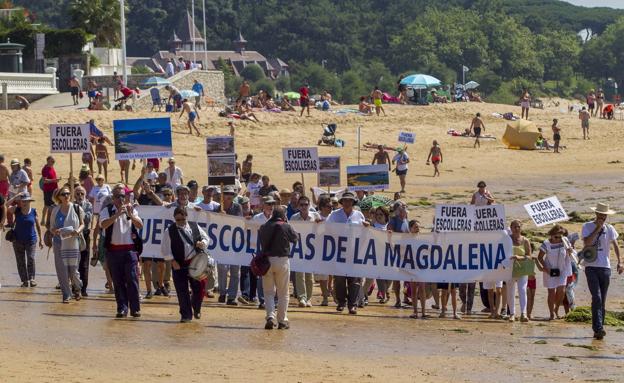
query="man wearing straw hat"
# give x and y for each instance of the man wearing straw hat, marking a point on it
(599, 235)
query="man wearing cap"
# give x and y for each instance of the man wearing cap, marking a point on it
(347, 288)
(230, 208)
(121, 223)
(183, 194)
(208, 203)
(401, 159)
(600, 235)
(175, 177)
(244, 202)
(18, 179)
(181, 242)
(50, 184)
(304, 281)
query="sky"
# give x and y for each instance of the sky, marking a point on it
(598, 3)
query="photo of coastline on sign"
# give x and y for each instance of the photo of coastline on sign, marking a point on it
(222, 166)
(219, 146)
(329, 179)
(368, 177)
(142, 138)
(329, 163)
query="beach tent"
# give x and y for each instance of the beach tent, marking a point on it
(521, 134)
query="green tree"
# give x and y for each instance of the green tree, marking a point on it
(263, 84)
(98, 17)
(353, 87)
(252, 72)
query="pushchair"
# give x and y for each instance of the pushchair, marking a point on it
(329, 134)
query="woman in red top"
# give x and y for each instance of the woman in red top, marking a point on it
(50, 184)
(304, 99)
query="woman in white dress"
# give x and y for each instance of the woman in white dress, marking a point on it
(554, 259)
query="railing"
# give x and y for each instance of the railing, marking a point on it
(29, 83)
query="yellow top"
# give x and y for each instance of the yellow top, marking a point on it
(519, 250)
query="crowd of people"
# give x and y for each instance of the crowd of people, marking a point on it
(87, 221)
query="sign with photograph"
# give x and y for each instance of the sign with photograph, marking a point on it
(329, 171)
(142, 138)
(368, 177)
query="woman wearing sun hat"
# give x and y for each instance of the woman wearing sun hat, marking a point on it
(600, 235)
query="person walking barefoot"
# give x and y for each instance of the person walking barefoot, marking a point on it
(477, 124)
(435, 155)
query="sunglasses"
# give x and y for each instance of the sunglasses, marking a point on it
(80, 193)
(120, 196)
(64, 194)
(556, 236)
(304, 204)
(180, 220)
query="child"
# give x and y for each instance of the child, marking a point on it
(446, 288)
(28, 169)
(435, 154)
(531, 288)
(556, 134)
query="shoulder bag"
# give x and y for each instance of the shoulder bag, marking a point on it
(260, 263)
(590, 253)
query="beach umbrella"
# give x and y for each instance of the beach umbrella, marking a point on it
(374, 201)
(188, 93)
(421, 81)
(472, 85)
(292, 95)
(156, 81)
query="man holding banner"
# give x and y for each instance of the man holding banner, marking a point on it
(347, 288)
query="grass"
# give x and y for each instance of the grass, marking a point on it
(583, 314)
(587, 346)
(540, 342)
(575, 217)
(459, 330)
(420, 202)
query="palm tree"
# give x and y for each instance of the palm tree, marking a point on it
(99, 18)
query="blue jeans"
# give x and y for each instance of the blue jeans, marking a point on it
(598, 283)
(230, 289)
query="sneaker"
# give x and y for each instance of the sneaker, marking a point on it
(209, 294)
(33, 283)
(325, 302)
(309, 303)
(302, 302)
(158, 292)
(221, 299)
(353, 310)
(340, 308)
(523, 318)
(512, 318)
(25, 284)
(58, 286)
(231, 302)
(243, 300)
(121, 314)
(149, 294)
(261, 306)
(165, 291)
(66, 300)
(598, 335)
(197, 315)
(185, 320)
(84, 294)
(283, 326)
(269, 325)
(136, 314)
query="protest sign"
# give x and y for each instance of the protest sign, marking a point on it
(407, 137)
(220, 146)
(489, 218)
(453, 218)
(69, 138)
(142, 138)
(350, 250)
(329, 171)
(300, 160)
(221, 170)
(368, 177)
(546, 211)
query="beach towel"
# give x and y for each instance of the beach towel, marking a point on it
(386, 97)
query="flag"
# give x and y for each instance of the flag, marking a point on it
(465, 68)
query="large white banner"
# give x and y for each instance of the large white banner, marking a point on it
(340, 249)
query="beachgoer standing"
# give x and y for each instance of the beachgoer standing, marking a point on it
(477, 125)
(198, 88)
(599, 103)
(18, 179)
(101, 157)
(556, 134)
(525, 104)
(591, 102)
(74, 87)
(382, 157)
(435, 155)
(401, 159)
(376, 95)
(116, 81)
(601, 235)
(304, 99)
(193, 115)
(169, 68)
(584, 116)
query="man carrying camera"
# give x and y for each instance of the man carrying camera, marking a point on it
(183, 241)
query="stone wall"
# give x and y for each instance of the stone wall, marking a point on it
(134, 80)
(212, 80)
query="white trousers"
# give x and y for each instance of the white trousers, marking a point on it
(275, 282)
(522, 293)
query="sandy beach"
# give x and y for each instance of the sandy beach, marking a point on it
(45, 341)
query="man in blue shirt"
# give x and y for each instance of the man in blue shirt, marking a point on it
(199, 89)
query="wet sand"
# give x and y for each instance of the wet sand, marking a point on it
(43, 340)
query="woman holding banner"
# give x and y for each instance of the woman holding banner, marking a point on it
(521, 253)
(554, 258)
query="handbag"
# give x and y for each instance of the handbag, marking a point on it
(10, 235)
(523, 267)
(260, 263)
(555, 272)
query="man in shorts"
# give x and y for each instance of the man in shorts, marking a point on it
(584, 116)
(304, 99)
(192, 116)
(477, 125)
(74, 88)
(376, 96)
(401, 159)
(381, 157)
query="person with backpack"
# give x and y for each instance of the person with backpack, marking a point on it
(183, 241)
(24, 236)
(66, 226)
(122, 242)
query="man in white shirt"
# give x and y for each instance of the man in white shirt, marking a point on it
(347, 287)
(180, 244)
(601, 235)
(170, 69)
(121, 224)
(175, 177)
(401, 159)
(304, 281)
(208, 204)
(268, 205)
